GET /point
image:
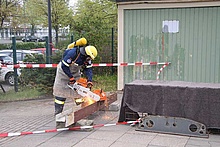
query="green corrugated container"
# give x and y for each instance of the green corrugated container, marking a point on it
(189, 38)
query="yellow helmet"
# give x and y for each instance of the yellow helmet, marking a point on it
(91, 51)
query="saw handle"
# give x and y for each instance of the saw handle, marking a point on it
(89, 85)
(72, 86)
(72, 81)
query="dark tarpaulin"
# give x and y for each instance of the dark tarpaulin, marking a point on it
(196, 101)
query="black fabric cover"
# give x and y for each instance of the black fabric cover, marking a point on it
(196, 101)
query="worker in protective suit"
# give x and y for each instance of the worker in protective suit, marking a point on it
(77, 56)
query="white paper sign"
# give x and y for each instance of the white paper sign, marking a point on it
(170, 26)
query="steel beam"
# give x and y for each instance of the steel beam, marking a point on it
(88, 107)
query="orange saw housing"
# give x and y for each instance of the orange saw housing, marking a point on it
(100, 92)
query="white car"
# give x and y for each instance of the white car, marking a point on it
(7, 73)
(20, 54)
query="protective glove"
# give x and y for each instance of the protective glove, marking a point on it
(89, 85)
(72, 80)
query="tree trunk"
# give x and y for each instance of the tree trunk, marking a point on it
(2, 21)
(32, 30)
(57, 31)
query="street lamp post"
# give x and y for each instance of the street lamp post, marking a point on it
(25, 27)
(49, 32)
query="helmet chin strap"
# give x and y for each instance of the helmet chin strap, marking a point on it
(88, 60)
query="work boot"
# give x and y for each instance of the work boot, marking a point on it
(58, 109)
(59, 104)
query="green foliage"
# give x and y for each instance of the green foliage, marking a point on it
(62, 45)
(93, 18)
(22, 94)
(7, 9)
(40, 78)
(106, 82)
(23, 45)
(5, 46)
(61, 15)
(30, 45)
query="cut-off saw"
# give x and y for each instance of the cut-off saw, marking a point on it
(83, 91)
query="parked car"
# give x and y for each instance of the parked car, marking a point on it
(7, 73)
(30, 39)
(43, 50)
(19, 53)
(42, 39)
(5, 59)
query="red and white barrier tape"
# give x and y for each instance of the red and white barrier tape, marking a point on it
(94, 65)
(66, 129)
(161, 69)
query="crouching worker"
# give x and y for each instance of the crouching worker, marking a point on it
(77, 56)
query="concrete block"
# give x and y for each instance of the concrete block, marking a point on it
(114, 107)
(85, 122)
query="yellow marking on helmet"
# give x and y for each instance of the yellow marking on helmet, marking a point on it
(91, 54)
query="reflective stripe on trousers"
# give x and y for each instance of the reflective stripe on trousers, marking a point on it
(59, 104)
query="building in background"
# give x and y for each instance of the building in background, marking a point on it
(21, 31)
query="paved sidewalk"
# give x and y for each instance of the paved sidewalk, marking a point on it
(37, 115)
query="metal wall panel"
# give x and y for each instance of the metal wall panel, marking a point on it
(193, 51)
